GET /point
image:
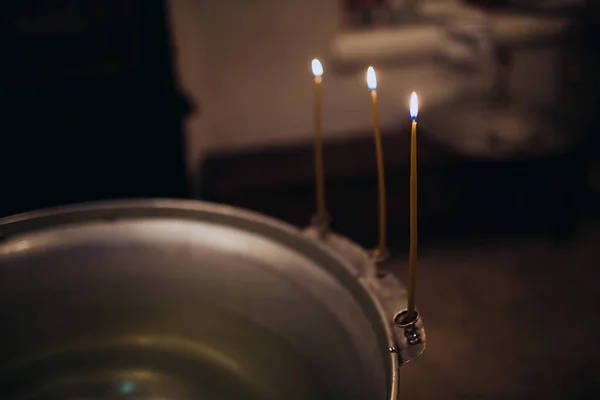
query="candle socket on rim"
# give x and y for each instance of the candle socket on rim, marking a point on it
(380, 255)
(321, 222)
(408, 323)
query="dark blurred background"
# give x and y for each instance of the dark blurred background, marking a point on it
(90, 105)
(213, 100)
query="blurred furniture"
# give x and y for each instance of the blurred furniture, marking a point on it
(91, 109)
(586, 81)
(458, 195)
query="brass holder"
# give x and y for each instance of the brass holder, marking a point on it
(379, 257)
(412, 332)
(321, 222)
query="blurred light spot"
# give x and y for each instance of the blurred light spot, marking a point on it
(127, 387)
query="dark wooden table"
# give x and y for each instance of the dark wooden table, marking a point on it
(458, 195)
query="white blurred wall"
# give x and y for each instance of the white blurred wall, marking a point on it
(247, 65)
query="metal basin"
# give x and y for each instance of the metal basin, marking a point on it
(165, 299)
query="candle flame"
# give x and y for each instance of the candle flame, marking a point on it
(371, 79)
(414, 106)
(317, 68)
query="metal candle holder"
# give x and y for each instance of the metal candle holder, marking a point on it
(412, 332)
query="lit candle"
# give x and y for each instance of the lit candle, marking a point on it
(381, 253)
(412, 258)
(321, 219)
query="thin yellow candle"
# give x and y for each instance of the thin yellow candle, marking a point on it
(412, 258)
(321, 219)
(381, 253)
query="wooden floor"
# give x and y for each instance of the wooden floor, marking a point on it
(516, 319)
